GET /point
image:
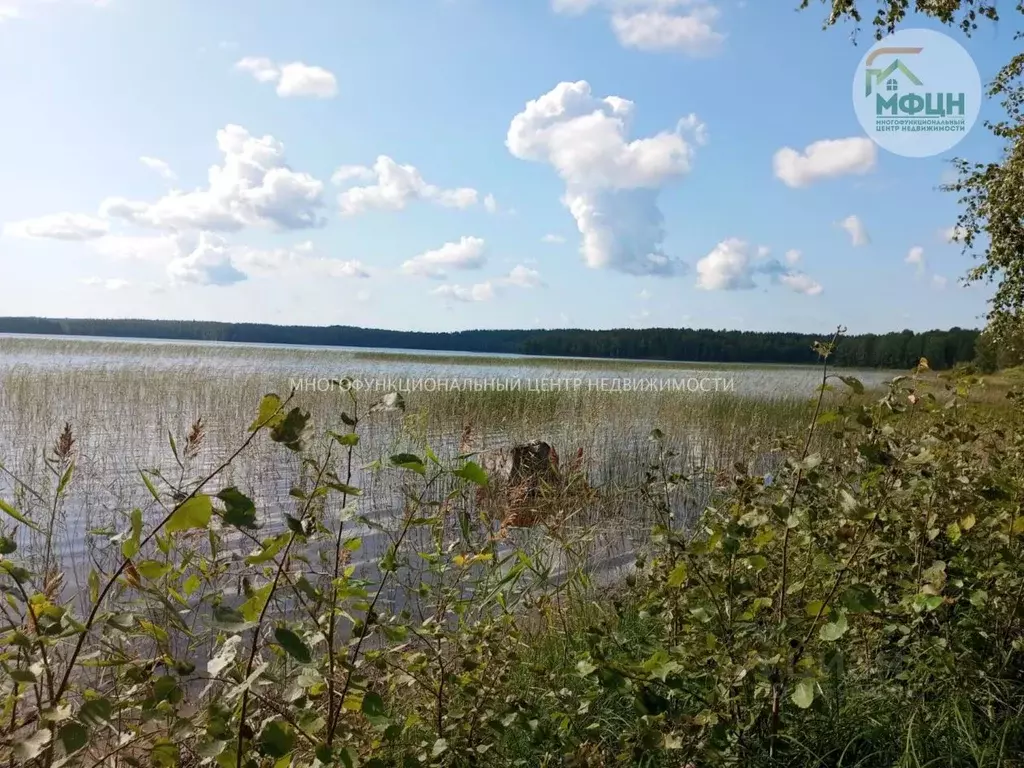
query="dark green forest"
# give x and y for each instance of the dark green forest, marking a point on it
(902, 349)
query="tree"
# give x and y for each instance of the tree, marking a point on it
(991, 222)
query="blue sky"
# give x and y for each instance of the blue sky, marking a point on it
(449, 164)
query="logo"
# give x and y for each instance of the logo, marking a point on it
(917, 93)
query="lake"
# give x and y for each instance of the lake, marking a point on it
(127, 399)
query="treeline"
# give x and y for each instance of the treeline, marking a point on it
(903, 349)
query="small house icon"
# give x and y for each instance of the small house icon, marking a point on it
(888, 75)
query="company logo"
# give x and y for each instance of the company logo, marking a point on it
(917, 93)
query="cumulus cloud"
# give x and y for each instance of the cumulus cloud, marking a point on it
(252, 186)
(519, 277)
(825, 160)
(467, 253)
(553, 239)
(395, 186)
(524, 277)
(58, 226)
(692, 32)
(293, 80)
(731, 267)
(916, 257)
(205, 260)
(856, 230)
(792, 256)
(686, 26)
(478, 292)
(801, 283)
(160, 166)
(612, 182)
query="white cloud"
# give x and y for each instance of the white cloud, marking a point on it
(801, 283)
(253, 186)
(692, 33)
(490, 204)
(161, 167)
(953, 234)
(467, 253)
(204, 260)
(553, 239)
(824, 160)
(478, 292)
(160, 248)
(916, 257)
(792, 256)
(109, 284)
(856, 230)
(349, 269)
(261, 68)
(644, 295)
(294, 79)
(395, 186)
(207, 259)
(58, 226)
(687, 26)
(524, 277)
(730, 267)
(612, 182)
(939, 282)
(519, 277)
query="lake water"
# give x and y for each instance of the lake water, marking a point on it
(124, 397)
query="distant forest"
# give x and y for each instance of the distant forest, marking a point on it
(903, 349)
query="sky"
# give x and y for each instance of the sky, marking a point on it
(454, 164)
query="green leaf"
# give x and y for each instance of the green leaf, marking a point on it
(292, 430)
(269, 407)
(853, 383)
(23, 676)
(277, 739)
(5, 507)
(239, 509)
(373, 705)
(678, 575)
(803, 694)
(192, 513)
(409, 461)
(130, 547)
(585, 667)
(164, 753)
(349, 439)
(953, 532)
(353, 545)
(834, 630)
(7, 546)
(149, 486)
(439, 748)
(192, 583)
(293, 644)
(30, 748)
(859, 598)
(473, 472)
(152, 569)
(270, 549)
(95, 712)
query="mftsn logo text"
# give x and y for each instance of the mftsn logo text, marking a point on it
(917, 93)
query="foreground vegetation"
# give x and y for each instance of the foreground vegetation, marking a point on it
(857, 604)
